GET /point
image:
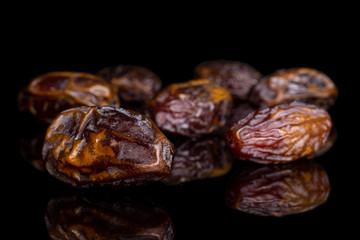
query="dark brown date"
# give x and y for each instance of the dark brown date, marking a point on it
(199, 158)
(51, 93)
(133, 83)
(239, 111)
(278, 190)
(191, 108)
(279, 134)
(87, 146)
(79, 217)
(237, 77)
(300, 84)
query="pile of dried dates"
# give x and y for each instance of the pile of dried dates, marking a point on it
(113, 129)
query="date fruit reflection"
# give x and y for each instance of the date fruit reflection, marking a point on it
(278, 190)
(79, 217)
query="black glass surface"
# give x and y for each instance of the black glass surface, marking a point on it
(196, 208)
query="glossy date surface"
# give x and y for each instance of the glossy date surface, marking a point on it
(87, 146)
(237, 77)
(199, 158)
(80, 217)
(51, 93)
(280, 134)
(191, 108)
(300, 84)
(133, 83)
(278, 190)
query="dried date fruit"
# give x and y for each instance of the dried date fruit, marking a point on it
(199, 158)
(106, 146)
(79, 217)
(300, 84)
(191, 108)
(239, 111)
(133, 83)
(52, 93)
(279, 134)
(237, 77)
(278, 190)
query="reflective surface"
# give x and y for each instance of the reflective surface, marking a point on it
(197, 209)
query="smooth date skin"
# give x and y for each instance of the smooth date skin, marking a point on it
(132, 83)
(82, 217)
(280, 134)
(278, 190)
(51, 93)
(300, 84)
(106, 146)
(191, 108)
(199, 158)
(237, 77)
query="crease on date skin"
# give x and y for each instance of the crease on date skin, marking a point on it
(106, 146)
(279, 134)
(278, 190)
(84, 217)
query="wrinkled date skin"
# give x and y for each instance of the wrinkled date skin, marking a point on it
(280, 134)
(237, 77)
(300, 84)
(239, 111)
(278, 190)
(79, 217)
(191, 108)
(106, 146)
(133, 83)
(52, 93)
(199, 158)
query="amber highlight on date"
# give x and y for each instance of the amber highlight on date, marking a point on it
(237, 77)
(51, 93)
(199, 158)
(278, 190)
(132, 83)
(301, 84)
(192, 108)
(280, 134)
(79, 217)
(106, 146)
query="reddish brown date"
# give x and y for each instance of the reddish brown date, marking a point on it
(191, 108)
(199, 158)
(280, 134)
(301, 84)
(51, 93)
(278, 190)
(237, 77)
(86, 218)
(106, 146)
(133, 83)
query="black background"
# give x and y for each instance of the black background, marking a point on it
(69, 41)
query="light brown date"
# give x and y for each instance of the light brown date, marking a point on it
(106, 146)
(278, 190)
(280, 134)
(300, 84)
(49, 94)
